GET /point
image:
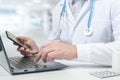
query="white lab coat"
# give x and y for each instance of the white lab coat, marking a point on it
(105, 23)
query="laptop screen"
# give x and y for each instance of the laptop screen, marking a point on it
(3, 57)
(0, 48)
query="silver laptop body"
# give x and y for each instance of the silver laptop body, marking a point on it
(21, 65)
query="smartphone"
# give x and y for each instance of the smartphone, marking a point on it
(12, 37)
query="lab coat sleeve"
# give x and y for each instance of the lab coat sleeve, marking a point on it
(101, 53)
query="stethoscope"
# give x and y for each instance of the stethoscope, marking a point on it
(88, 30)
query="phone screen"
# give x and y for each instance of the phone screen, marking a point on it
(13, 38)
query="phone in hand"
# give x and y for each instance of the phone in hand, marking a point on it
(12, 37)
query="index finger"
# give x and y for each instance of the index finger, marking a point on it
(37, 56)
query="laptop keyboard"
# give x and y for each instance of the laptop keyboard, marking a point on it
(22, 63)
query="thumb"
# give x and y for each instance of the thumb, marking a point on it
(28, 45)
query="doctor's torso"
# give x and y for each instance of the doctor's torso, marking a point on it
(71, 29)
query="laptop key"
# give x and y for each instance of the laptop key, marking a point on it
(22, 63)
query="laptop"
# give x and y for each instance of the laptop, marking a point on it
(22, 65)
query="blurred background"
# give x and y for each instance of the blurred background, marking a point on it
(30, 18)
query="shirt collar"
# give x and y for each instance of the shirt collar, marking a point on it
(74, 1)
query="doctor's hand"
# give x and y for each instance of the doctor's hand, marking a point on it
(56, 50)
(28, 42)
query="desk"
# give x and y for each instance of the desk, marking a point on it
(74, 71)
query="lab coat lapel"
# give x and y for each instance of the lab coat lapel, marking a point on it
(69, 13)
(82, 13)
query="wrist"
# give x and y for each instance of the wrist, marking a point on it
(74, 51)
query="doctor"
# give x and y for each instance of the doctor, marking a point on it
(86, 30)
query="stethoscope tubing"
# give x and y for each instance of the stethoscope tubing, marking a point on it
(90, 15)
